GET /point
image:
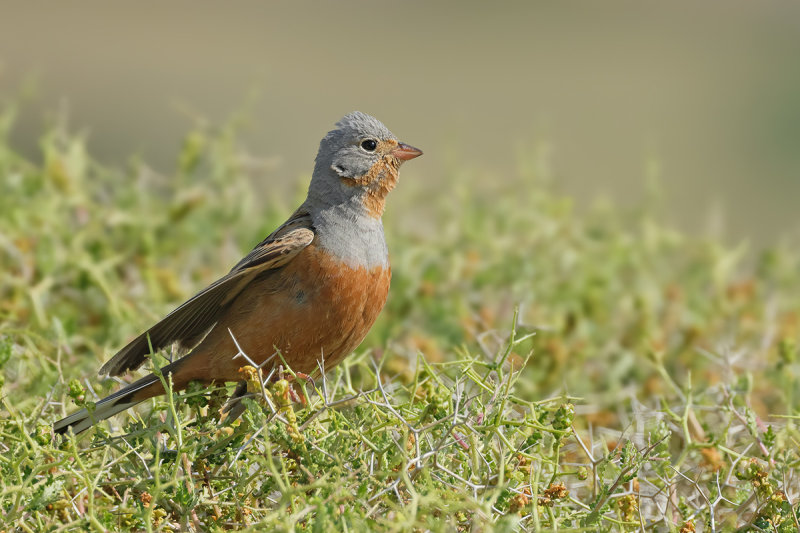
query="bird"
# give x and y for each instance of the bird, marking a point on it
(307, 294)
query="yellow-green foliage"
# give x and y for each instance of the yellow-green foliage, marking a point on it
(537, 366)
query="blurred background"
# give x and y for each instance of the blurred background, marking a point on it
(702, 97)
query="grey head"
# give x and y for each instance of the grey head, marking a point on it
(350, 150)
(356, 167)
(358, 158)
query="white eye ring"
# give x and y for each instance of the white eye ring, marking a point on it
(370, 145)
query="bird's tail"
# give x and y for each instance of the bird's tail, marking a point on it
(127, 397)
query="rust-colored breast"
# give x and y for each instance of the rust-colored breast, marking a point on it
(315, 307)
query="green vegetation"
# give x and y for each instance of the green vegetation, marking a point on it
(535, 368)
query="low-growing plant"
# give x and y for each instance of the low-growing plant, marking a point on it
(538, 367)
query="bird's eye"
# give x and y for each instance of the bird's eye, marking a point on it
(369, 145)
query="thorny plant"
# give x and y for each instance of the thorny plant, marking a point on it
(455, 440)
(649, 380)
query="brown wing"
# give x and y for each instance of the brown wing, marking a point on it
(188, 324)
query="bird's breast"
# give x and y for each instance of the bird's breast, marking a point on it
(316, 308)
(348, 235)
(333, 288)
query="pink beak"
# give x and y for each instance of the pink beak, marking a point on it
(404, 152)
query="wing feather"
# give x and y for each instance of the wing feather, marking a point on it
(192, 320)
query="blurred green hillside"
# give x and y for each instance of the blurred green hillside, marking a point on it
(709, 91)
(535, 367)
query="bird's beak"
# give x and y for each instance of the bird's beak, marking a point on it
(404, 152)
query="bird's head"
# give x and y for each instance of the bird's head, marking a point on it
(358, 162)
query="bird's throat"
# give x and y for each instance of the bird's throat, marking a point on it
(376, 185)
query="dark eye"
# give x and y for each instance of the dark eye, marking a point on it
(369, 145)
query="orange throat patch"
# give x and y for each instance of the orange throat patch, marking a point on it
(378, 182)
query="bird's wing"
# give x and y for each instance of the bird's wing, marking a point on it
(189, 323)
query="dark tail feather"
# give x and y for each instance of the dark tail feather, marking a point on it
(234, 407)
(119, 401)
